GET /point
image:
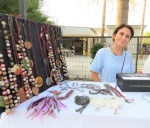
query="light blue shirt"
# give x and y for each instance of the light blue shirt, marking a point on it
(108, 65)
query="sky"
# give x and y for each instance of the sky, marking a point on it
(88, 13)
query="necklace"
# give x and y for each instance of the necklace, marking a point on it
(61, 54)
(8, 78)
(83, 101)
(43, 49)
(26, 71)
(48, 40)
(38, 79)
(114, 52)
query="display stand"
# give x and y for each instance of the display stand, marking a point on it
(31, 59)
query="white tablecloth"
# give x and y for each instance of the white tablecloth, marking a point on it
(131, 115)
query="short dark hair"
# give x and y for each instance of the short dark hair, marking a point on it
(124, 26)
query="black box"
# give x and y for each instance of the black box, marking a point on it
(133, 82)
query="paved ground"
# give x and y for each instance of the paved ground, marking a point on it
(78, 66)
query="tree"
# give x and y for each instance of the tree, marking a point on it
(33, 9)
(146, 41)
(143, 18)
(95, 47)
(9, 6)
(103, 20)
(122, 12)
(34, 13)
(142, 25)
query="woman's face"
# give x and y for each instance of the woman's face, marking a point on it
(122, 37)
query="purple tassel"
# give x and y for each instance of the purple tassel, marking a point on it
(43, 106)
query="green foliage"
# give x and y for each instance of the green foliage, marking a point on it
(9, 7)
(95, 48)
(33, 9)
(146, 41)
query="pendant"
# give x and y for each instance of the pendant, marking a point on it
(26, 63)
(22, 94)
(35, 90)
(39, 81)
(48, 82)
(17, 69)
(58, 63)
(58, 51)
(28, 45)
(31, 63)
(51, 79)
(51, 73)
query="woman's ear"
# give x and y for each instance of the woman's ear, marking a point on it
(113, 37)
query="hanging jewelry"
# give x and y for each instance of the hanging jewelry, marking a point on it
(38, 79)
(61, 54)
(44, 51)
(28, 46)
(23, 59)
(54, 40)
(10, 90)
(58, 76)
(46, 40)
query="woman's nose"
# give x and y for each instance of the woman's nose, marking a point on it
(124, 37)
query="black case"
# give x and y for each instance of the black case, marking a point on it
(133, 82)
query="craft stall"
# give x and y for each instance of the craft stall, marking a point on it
(31, 60)
(35, 91)
(81, 104)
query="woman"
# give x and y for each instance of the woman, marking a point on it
(110, 61)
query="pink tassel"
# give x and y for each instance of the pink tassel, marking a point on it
(43, 106)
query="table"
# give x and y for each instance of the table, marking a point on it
(131, 115)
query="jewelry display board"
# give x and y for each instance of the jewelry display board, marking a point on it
(31, 59)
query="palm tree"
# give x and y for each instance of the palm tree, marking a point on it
(142, 26)
(143, 18)
(122, 12)
(103, 21)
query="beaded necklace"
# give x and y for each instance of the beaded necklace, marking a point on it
(5, 86)
(10, 90)
(62, 55)
(26, 72)
(44, 57)
(54, 71)
(58, 41)
(28, 46)
(54, 39)
(39, 79)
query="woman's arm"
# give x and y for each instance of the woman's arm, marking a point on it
(94, 76)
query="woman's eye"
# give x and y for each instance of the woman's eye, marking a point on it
(127, 36)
